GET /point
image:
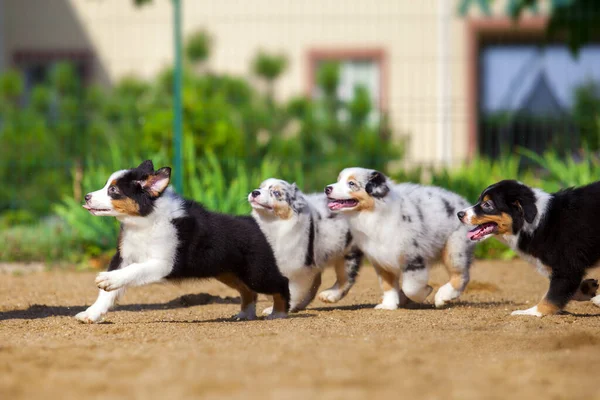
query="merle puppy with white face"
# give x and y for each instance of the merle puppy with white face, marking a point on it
(404, 228)
(164, 236)
(305, 237)
(559, 233)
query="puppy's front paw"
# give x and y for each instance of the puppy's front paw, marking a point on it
(244, 316)
(386, 306)
(277, 315)
(596, 300)
(330, 295)
(110, 281)
(88, 317)
(248, 313)
(587, 290)
(533, 311)
(268, 311)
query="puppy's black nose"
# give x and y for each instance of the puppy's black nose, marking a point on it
(255, 193)
(461, 215)
(88, 197)
(328, 190)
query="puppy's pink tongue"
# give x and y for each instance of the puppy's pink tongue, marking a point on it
(334, 205)
(472, 234)
(480, 231)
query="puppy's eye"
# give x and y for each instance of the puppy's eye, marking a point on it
(277, 193)
(113, 190)
(351, 184)
(488, 205)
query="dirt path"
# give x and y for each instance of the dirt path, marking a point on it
(164, 342)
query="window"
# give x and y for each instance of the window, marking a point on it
(522, 93)
(528, 95)
(357, 68)
(37, 65)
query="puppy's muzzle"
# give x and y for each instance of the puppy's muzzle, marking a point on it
(255, 193)
(328, 190)
(461, 215)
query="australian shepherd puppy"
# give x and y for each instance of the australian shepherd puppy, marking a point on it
(305, 237)
(164, 237)
(559, 233)
(403, 229)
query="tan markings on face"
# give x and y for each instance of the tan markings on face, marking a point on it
(352, 178)
(504, 222)
(546, 308)
(365, 202)
(113, 183)
(458, 280)
(280, 207)
(486, 198)
(126, 206)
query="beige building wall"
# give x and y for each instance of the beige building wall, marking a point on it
(425, 52)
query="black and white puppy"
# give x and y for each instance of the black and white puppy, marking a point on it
(404, 228)
(305, 237)
(559, 233)
(164, 236)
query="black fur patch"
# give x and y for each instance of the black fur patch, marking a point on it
(420, 213)
(377, 186)
(415, 264)
(415, 243)
(449, 209)
(353, 263)
(348, 238)
(310, 252)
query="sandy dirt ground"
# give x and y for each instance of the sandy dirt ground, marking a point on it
(177, 342)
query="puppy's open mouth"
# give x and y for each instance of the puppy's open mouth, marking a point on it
(339, 204)
(256, 203)
(95, 210)
(483, 230)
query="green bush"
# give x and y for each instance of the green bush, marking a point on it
(50, 241)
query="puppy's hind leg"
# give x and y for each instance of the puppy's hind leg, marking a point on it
(346, 271)
(104, 302)
(392, 295)
(303, 288)
(309, 297)
(457, 257)
(247, 296)
(415, 279)
(562, 288)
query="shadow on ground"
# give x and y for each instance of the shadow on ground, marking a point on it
(36, 311)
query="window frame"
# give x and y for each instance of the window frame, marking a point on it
(376, 55)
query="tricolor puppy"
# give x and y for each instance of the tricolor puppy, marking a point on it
(559, 233)
(166, 237)
(403, 228)
(305, 237)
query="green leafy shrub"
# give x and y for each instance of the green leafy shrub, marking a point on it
(50, 240)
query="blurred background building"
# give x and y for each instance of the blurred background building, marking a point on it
(444, 70)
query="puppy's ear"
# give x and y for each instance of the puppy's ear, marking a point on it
(296, 199)
(528, 209)
(147, 166)
(377, 185)
(157, 182)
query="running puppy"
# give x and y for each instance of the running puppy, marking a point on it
(305, 237)
(166, 237)
(403, 228)
(559, 233)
